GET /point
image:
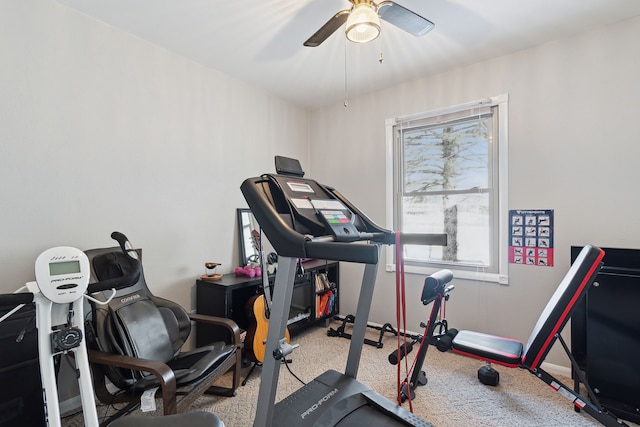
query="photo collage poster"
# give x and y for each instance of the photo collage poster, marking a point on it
(531, 237)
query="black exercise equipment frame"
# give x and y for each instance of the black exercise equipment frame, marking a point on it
(512, 353)
(298, 232)
(434, 291)
(340, 331)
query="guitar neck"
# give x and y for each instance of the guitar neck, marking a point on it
(256, 240)
(265, 280)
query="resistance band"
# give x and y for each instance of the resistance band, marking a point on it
(401, 317)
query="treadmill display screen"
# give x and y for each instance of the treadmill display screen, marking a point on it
(300, 187)
(335, 217)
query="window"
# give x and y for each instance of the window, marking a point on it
(447, 173)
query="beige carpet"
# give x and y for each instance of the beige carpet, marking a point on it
(452, 397)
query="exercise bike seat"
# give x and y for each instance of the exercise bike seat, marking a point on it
(186, 419)
(491, 348)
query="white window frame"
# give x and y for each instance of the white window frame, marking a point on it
(501, 276)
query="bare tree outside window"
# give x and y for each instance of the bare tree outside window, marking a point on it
(445, 171)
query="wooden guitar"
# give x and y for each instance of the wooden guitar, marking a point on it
(258, 308)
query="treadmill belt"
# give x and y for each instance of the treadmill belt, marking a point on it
(333, 399)
(370, 417)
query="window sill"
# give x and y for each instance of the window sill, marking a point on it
(457, 274)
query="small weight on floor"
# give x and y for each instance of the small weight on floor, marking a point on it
(488, 376)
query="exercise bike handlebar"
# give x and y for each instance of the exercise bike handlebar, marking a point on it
(123, 281)
(21, 298)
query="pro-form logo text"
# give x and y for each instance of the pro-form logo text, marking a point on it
(67, 279)
(320, 402)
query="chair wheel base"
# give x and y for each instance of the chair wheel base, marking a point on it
(488, 376)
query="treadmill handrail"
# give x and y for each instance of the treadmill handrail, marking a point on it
(288, 242)
(386, 236)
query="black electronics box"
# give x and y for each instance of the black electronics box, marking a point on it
(605, 332)
(21, 394)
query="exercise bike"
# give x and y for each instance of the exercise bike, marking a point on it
(434, 291)
(62, 283)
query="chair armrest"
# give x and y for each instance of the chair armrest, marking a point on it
(164, 374)
(229, 324)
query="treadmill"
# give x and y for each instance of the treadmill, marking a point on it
(305, 219)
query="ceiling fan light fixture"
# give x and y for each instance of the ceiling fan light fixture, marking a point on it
(363, 24)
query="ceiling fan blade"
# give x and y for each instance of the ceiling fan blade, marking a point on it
(404, 19)
(327, 29)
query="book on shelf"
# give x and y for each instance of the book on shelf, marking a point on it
(322, 302)
(325, 304)
(322, 282)
(329, 307)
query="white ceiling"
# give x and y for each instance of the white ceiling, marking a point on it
(260, 41)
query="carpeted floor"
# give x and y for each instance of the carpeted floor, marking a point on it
(453, 395)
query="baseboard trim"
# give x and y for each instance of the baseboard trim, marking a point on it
(551, 368)
(556, 369)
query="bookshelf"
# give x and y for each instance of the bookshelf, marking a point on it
(229, 296)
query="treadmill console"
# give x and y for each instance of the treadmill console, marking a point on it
(339, 223)
(305, 219)
(317, 209)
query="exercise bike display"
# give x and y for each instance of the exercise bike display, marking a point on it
(62, 283)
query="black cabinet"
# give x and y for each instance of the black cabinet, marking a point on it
(229, 297)
(605, 333)
(21, 396)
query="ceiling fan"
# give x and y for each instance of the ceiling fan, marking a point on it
(363, 22)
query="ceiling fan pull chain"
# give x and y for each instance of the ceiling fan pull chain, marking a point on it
(346, 99)
(381, 58)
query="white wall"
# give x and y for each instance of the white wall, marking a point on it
(102, 131)
(573, 148)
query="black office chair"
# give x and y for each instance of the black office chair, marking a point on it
(138, 344)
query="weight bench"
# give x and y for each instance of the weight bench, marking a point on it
(513, 354)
